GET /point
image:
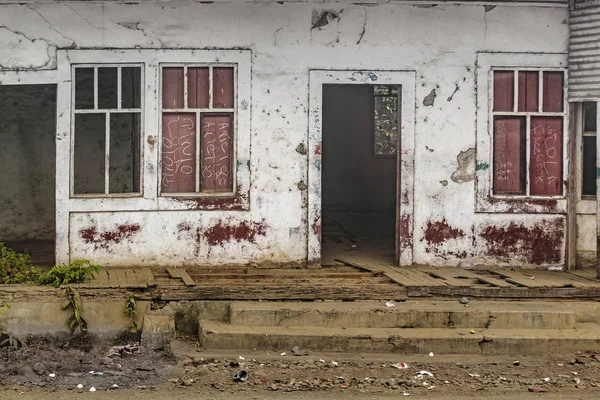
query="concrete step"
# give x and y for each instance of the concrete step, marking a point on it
(408, 314)
(214, 336)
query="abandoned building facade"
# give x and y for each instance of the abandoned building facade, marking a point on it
(183, 133)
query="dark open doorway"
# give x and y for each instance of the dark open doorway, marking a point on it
(28, 154)
(359, 176)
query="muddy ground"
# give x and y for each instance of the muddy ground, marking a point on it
(64, 370)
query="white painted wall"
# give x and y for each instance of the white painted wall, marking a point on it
(439, 43)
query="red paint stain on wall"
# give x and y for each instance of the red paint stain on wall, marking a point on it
(316, 226)
(539, 244)
(318, 149)
(238, 232)
(439, 231)
(103, 240)
(406, 235)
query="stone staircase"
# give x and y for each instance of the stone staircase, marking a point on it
(410, 327)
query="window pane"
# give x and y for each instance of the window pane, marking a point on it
(589, 117)
(84, 88)
(509, 157)
(504, 90)
(528, 90)
(386, 125)
(124, 175)
(131, 84)
(89, 153)
(198, 88)
(179, 153)
(381, 90)
(223, 87)
(217, 146)
(545, 171)
(553, 91)
(589, 165)
(107, 87)
(172, 88)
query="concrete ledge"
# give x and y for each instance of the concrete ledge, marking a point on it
(409, 314)
(215, 336)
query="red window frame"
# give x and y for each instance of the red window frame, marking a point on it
(527, 124)
(198, 113)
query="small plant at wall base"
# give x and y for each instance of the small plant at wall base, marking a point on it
(75, 272)
(130, 311)
(74, 304)
(18, 268)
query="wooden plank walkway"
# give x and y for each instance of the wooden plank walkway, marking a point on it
(354, 280)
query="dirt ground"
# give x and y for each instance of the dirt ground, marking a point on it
(45, 369)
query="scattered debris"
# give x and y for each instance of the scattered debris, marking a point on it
(516, 363)
(240, 376)
(400, 365)
(80, 386)
(121, 351)
(537, 389)
(424, 373)
(92, 389)
(431, 354)
(390, 304)
(464, 300)
(284, 353)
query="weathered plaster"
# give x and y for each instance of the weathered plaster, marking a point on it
(439, 44)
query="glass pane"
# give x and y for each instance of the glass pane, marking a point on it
(84, 88)
(589, 117)
(178, 153)
(589, 166)
(217, 146)
(131, 84)
(124, 174)
(545, 170)
(223, 87)
(386, 125)
(198, 88)
(553, 91)
(172, 88)
(89, 153)
(107, 87)
(504, 90)
(509, 157)
(528, 91)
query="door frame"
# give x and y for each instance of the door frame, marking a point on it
(406, 80)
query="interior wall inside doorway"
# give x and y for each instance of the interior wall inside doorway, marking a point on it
(353, 179)
(359, 188)
(27, 196)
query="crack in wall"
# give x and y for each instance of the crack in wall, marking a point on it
(50, 25)
(84, 18)
(364, 28)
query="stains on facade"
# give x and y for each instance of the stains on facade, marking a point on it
(104, 239)
(316, 226)
(543, 243)
(406, 235)
(430, 98)
(438, 232)
(224, 232)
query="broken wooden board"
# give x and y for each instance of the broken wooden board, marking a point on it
(567, 280)
(181, 273)
(525, 278)
(454, 276)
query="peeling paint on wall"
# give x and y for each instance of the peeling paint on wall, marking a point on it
(103, 240)
(540, 244)
(466, 167)
(228, 231)
(438, 232)
(430, 98)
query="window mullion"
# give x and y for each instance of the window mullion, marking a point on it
(119, 89)
(95, 88)
(210, 87)
(527, 155)
(198, 150)
(107, 153)
(540, 91)
(516, 91)
(185, 87)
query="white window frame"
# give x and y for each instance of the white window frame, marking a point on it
(485, 198)
(107, 112)
(68, 207)
(198, 112)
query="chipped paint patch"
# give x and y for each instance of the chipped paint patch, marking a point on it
(540, 244)
(430, 98)
(438, 232)
(103, 240)
(406, 236)
(466, 166)
(316, 226)
(319, 149)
